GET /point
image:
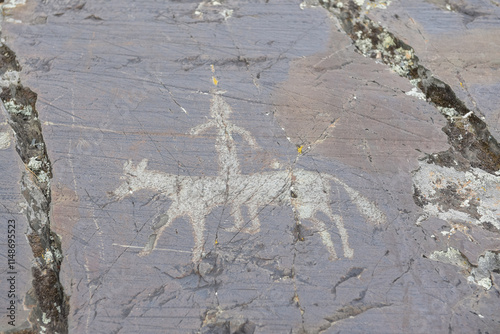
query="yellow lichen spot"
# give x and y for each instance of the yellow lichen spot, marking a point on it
(214, 80)
(388, 42)
(299, 149)
(461, 84)
(296, 299)
(216, 241)
(212, 67)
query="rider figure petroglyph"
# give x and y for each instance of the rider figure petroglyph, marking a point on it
(195, 197)
(229, 166)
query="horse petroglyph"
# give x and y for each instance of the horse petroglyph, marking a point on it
(306, 192)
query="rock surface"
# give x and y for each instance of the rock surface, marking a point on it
(257, 167)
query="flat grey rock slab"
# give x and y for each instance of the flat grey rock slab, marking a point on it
(223, 167)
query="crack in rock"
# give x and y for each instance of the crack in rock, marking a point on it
(50, 310)
(353, 272)
(471, 143)
(460, 185)
(212, 325)
(350, 311)
(480, 274)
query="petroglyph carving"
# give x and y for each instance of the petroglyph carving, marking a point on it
(306, 192)
(229, 166)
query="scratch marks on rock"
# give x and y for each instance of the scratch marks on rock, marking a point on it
(308, 193)
(461, 185)
(470, 140)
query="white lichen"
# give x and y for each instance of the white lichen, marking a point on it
(57, 254)
(45, 319)
(484, 282)
(451, 256)
(14, 108)
(415, 92)
(49, 258)
(9, 78)
(34, 164)
(43, 177)
(364, 45)
(388, 41)
(309, 4)
(415, 82)
(380, 4)
(480, 275)
(477, 191)
(450, 112)
(226, 13)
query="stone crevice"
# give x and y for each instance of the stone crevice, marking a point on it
(472, 144)
(50, 303)
(348, 311)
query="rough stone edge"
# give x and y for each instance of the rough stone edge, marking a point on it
(472, 145)
(47, 300)
(488, 263)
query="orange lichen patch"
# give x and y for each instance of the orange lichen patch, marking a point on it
(456, 227)
(438, 184)
(461, 186)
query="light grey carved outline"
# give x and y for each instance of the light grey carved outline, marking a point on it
(196, 196)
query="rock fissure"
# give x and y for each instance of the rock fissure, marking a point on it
(472, 144)
(350, 310)
(50, 304)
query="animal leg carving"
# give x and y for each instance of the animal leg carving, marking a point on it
(344, 236)
(367, 209)
(198, 224)
(326, 238)
(253, 211)
(238, 220)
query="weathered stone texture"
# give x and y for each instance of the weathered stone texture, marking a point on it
(175, 128)
(458, 40)
(13, 208)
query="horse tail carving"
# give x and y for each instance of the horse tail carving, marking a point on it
(367, 208)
